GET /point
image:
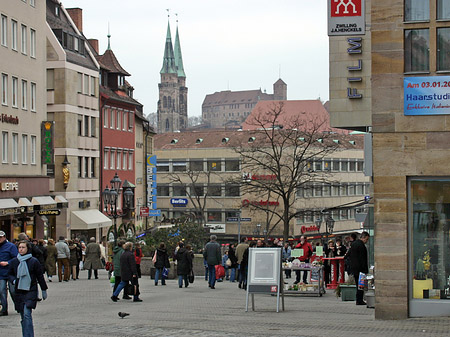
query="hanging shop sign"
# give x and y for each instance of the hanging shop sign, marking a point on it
(346, 17)
(426, 95)
(47, 133)
(178, 202)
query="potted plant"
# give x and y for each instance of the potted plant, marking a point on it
(346, 291)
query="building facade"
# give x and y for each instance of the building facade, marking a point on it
(204, 162)
(172, 103)
(230, 108)
(73, 107)
(24, 185)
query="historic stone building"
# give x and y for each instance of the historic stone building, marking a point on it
(172, 103)
(230, 108)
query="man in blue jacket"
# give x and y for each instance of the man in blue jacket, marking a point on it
(8, 251)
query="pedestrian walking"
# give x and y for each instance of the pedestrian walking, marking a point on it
(118, 251)
(286, 257)
(225, 266)
(234, 264)
(92, 259)
(213, 257)
(50, 261)
(244, 262)
(240, 249)
(63, 259)
(73, 260)
(128, 273)
(26, 273)
(359, 263)
(8, 251)
(138, 257)
(184, 264)
(162, 261)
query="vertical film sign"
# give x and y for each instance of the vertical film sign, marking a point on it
(346, 17)
(47, 146)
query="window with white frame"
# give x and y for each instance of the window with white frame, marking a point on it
(105, 117)
(130, 121)
(33, 150)
(118, 120)
(86, 126)
(111, 119)
(4, 147)
(105, 158)
(125, 160)
(80, 83)
(24, 149)
(24, 94)
(32, 3)
(92, 168)
(24, 39)
(14, 34)
(15, 148)
(4, 89)
(86, 84)
(130, 160)
(119, 160)
(92, 126)
(33, 96)
(32, 43)
(113, 161)
(92, 85)
(86, 167)
(124, 123)
(15, 92)
(4, 36)
(80, 166)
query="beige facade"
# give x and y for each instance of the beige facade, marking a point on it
(73, 104)
(222, 161)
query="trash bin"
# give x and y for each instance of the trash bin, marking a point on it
(370, 299)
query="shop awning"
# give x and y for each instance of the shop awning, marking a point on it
(89, 219)
(61, 201)
(43, 203)
(26, 205)
(8, 207)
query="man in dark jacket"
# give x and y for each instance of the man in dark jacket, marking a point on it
(128, 273)
(359, 263)
(8, 251)
(213, 257)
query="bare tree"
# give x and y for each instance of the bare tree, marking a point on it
(283, 149)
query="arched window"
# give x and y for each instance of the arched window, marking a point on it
(170, 102)
(165, 102)
(167, 124)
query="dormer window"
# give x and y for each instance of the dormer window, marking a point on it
(57, 10)
(251, 139)
(199, 140)
(225, 140)
(174, 141)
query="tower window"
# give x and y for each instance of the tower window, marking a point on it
(165, 102)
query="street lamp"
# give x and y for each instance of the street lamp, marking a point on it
(330, 225)
(110, 197)
(318, 225)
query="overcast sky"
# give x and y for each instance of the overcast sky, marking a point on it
(226, 45)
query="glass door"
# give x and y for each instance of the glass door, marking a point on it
(429, 247)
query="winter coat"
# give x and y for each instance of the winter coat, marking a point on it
(24, 297)
(50, 262)
(184, 261)
(307, 250)
(358, 257)
(63, 249)
(138, 255)
(117, 251)
(240, 249)
(92, 257)
(73, 260)
(162, 259)
(233, 258)
(212, 253)
(286, 253)
(127, 266)
(8, 251)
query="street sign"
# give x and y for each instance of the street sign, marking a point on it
(144, 211)
(154, 212)
(234, 219)
(151, 160)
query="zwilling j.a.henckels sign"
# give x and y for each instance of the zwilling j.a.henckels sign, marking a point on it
(346, 17)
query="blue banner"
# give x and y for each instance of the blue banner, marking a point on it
(426, 95)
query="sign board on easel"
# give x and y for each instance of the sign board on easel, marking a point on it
(264, 274)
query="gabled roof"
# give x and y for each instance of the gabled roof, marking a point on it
(307, 111)
(235, 97)
(280, 81)
(109, 61)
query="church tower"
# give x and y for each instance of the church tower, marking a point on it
(172, 103)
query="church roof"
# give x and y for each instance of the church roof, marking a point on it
(178, 57)
(280, 81)
(109, 61)
(169, 57)
(235, 97)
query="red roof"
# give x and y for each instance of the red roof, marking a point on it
(290, 114)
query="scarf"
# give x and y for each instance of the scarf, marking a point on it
(23, 274)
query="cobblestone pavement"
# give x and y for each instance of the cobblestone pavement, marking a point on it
(84, 307)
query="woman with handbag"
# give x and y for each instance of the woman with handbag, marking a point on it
(161, 261)
(184, 264)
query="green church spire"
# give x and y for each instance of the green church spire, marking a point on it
(169, 59)
(178, 56)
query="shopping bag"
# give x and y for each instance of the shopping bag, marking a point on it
(165, 272)
(220, 272)
(362, 281)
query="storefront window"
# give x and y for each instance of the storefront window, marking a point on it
(430, 244)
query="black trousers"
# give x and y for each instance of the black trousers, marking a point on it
(359, 293)
(305, 274)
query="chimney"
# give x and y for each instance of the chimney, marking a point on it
(77, 17)
(94, 44)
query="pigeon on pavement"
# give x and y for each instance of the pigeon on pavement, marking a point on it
(123, 314)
